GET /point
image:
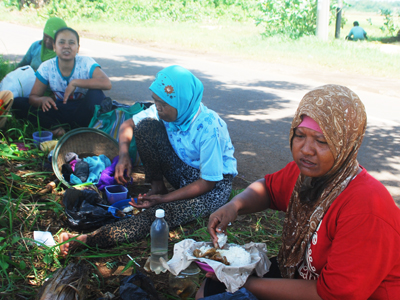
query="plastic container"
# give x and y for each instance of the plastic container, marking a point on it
(185, 284)
(116, 193)
(120, 205)
(41, 136)
(159, 242)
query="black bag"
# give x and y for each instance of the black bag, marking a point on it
(82, 211)
(137, 287)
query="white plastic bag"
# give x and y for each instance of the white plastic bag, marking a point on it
(20, 81)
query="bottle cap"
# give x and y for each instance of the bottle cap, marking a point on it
(160, 213)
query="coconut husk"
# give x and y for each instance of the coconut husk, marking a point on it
(67, 283)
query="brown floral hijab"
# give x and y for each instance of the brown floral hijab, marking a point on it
(341, 116)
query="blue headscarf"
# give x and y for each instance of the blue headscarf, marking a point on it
(182, 90)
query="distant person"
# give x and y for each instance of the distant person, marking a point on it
(42, 50)
(356, 33)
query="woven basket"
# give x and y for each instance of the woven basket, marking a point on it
(84, 142)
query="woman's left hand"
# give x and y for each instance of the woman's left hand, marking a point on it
(144, 201)
(69, 91)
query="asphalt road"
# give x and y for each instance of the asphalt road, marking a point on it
(256, 99)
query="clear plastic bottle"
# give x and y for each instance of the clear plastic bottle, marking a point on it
(159, 242)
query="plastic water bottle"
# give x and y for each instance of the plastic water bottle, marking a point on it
(159, 242)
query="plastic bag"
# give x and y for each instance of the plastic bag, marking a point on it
(82, 211)
(137, 287)
(20, 81)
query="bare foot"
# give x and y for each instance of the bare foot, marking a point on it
(157, 188)
(66, 247)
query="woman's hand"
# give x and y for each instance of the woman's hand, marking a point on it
(220, 219)
(253, 199)
(69, 91)
(99, 81)
(124, 163)
(144, 201)
(48, 103)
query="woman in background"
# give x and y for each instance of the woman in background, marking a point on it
(76, 83)
(42, 50)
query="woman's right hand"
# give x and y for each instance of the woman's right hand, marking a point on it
(48, 103)
(124, 163)
(220, 219)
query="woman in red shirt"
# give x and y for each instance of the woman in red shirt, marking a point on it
(341, 233)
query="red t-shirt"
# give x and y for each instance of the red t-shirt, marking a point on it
(355, 252)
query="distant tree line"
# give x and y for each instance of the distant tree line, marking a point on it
(372, 6)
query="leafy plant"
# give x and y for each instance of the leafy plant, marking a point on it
(143, 10)
(289, 18)
(389, 22)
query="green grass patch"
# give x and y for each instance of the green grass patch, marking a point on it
(5, 66)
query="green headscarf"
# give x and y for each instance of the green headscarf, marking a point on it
(51, 27)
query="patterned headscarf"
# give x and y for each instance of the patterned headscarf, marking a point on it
(51, 27)
(341, 116)
(182, 90)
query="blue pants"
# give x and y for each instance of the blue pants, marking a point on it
(76, 113)
(241, 294)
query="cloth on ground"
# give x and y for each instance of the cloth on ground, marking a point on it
(71, 156)
(66, 170)
(107, 176)
(72, 163)
(97, 164)
(82, 170)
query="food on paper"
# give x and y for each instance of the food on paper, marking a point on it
(222, 239)
(234, 256)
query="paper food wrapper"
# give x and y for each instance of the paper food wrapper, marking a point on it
(234, 277)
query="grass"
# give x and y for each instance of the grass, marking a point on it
(6, 66)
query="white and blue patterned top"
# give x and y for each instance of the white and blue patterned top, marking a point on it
(206, 145)
(50, 74)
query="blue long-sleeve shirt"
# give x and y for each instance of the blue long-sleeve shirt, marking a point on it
(32, 57)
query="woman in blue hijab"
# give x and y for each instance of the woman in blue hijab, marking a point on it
(178, 139)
